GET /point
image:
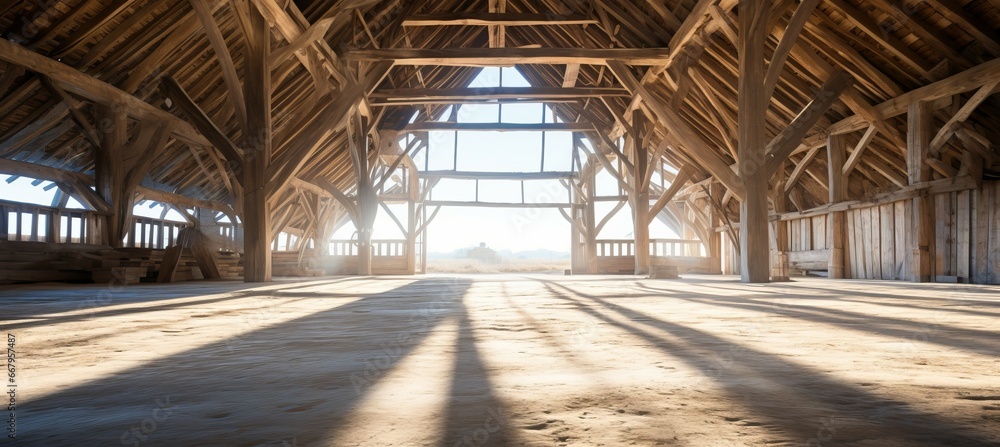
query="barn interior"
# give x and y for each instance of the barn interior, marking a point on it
(189, 254)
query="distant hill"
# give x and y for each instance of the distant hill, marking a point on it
(506, 255)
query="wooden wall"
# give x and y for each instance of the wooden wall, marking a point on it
(967, 239)
(876, 245)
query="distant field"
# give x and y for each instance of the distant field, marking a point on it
(513, 266)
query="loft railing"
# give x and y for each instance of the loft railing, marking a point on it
(380, 247)
(37, 223)
(657, 247)
(147, 232)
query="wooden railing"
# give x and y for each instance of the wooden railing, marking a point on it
(27, 222)
(657, 247)
(380, 247)
(615, 247)
(147, 232)
(343, 248)
(675, 247)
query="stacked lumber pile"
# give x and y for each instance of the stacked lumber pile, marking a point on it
(286, 263)
(230, 264)
(24, 262)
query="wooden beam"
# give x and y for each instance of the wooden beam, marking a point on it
(570, 75)
(224, 58)
(95, 90)
(469, 175)
(675, 186)
(432, 126)
(698, 16)
(782, 145)
(310, 35)
(173, 90)
(407, 96)
(689, 140)
(952, 125)
(491, 57)
(909, 192)
(309, 137)
(81, 121)
(57, 175)
(967, 80)
(459, 203)
(859, 149)
(791, 34)
(51, 118)
(494, 19)
(985, 34)
(870, 27)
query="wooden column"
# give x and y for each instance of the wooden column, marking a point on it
(577, 247)
(836, 154)
(753, 103)
(590, 177)
(257, 152)
(715, 221)
(921, 234)
(640, 193)
(110, 171)
(367, 197)
(411, 239)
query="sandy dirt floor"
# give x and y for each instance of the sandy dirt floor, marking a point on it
(469, 360)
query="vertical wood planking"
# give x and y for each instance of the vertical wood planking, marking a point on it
(941, 234)
(819, 233)
(852, 242)
(953, 234)
(887, 223)
(994, 234)
(876, 247)
(963, 249)
(862, 252)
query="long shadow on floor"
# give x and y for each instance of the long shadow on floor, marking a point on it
(793, 399)
(475, 415)
(940, 302)
(35, 304)
(293, 382)
(970, 340)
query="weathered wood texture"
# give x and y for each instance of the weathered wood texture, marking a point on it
(967, 235)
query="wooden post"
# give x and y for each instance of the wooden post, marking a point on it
(411, 238)
(367, 196)
(257, 152)
(590, 177)
(836, 154)
(577, 249)
(413, 188)
(110, 170)
(753, 102)
(714, 237)
(921, 234)
(640, 193)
